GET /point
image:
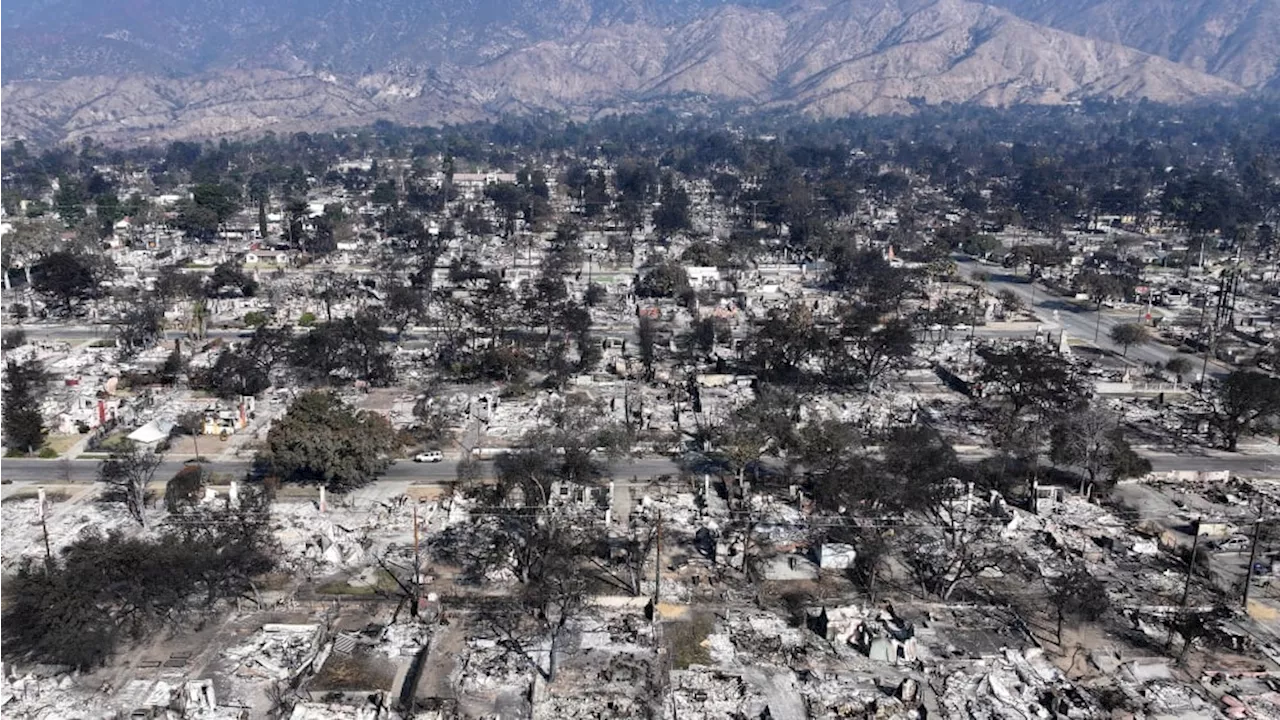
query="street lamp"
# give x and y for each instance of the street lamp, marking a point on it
(973, 322)
(1097, 326)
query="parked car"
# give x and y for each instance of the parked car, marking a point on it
(1239, 543)
(431, 456)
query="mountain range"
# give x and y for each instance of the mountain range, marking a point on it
(147, 70)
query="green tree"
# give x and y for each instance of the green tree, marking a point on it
(384, 193)
(783, 345)
(70, 201)
(1128, 334)
(347, 348)
(256, 319)
(980, 245)
(229, 279)
(876, 283)
(183, 489)
(75, 609)
(1246, 401)
(196, 221)
(262, 220)
(910, 474)
(1100, 286)
(67, 278)
(1031, 376)
(192, 423)
(321, 440)
(24, 386)
(1010, 300)
(666, 279)
(1179, 366)
(221, 199)
(245, 369)
(868, 348)
(672, 213)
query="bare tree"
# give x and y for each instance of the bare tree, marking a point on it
(127, 473)
(1193, 625)
(1092, 440)
(548, 559)
(1077, 595)
(539, 613)
(469, 470)
(620, 561)
(956, 551)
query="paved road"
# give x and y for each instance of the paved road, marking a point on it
(1082, 325)
(80, 333)
(22, 471)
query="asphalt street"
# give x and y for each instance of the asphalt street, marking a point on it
(1080, 324)
(26, 471)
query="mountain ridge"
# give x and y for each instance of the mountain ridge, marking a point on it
(580, 57)
(1237, 40)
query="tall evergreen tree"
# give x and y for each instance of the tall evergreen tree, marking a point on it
(23, 388)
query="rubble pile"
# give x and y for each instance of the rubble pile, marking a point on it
(1169, 698)
(828, 696)
(615, 633)
(23, 536)
(345, 537)
(403, 639)
(333, 711)
(276, 652)
(600, 705)
(1015, 686)
(713, 695)
(31, 697)
(321, 545)
(762, 637)
(488, 668)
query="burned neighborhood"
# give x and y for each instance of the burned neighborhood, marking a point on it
(969, 413)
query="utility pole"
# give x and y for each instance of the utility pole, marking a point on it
(48, 553)
(44, 528)
(1204, 368)
(657, 567)
(1186, 588)
(417, 564)
(1253, 554)
(973, 322)
(1191, 564)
